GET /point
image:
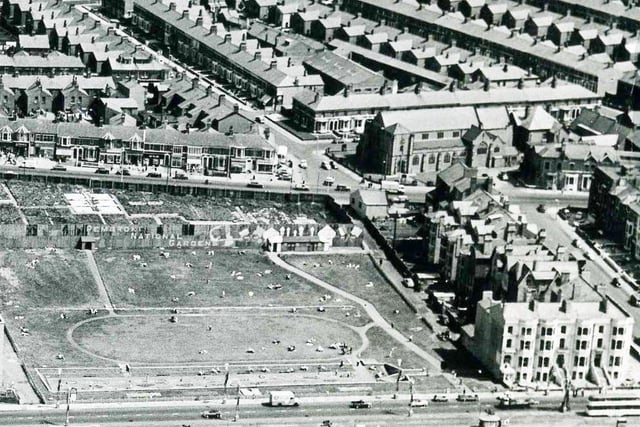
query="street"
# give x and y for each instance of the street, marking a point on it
(390, 412)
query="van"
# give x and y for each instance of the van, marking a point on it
(283, 398)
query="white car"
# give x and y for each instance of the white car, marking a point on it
(417, 403)
(303, 164)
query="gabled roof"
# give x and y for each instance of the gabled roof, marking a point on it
(538, 119)
(373, 197)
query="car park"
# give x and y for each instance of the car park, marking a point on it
(360, 404)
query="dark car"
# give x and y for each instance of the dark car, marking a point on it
(58, 168)
(360, 404)
(541, 208)
(342, 187)
(154, 175)
(123, 172)
(255, 184)
(212, 414)
(181, 176)
(102, 171)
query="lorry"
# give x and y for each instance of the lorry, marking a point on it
(283, 398)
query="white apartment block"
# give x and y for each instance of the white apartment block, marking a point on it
(538, 343)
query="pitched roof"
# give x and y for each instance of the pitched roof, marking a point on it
(373, 197)
(430, 120)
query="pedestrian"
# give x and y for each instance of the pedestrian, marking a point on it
(381, 261)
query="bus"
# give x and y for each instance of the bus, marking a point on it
(616, 405)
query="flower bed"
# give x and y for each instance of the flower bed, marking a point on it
(39, 194)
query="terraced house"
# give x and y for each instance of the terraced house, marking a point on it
(229, 55)
(207, 152)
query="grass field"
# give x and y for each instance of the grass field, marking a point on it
(153, 339)
(163, 280)
(41, 278)
(339, 271)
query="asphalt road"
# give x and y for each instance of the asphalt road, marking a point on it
(318, 411)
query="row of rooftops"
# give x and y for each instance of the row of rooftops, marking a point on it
(166, 136)
(65, 22)
(263, 68)
(440, 99)
(458, 25)
(54, 60)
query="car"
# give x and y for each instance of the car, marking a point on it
(212, 414)
(154, 175)
(324, 165)
(342, 187)
(284, 176)
(328, 181)
(332, 165)
(102, 171)
(326, 423)
(440, 398)
(616, 282)
(180, 176)
(417, 403)
(303, 164)
(255, 184)
(464, 397)
(123, 172)
(541, 208)
(58, 168)
(301, 187)
(360, 404)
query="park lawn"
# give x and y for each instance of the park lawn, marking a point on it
(153, 339)
(341, 274)
(47, 338)
(380, 345)
(42, 278)
(163, 279)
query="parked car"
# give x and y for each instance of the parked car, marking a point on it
(123, 172)
(154, 175)
(541, 208)
(301, 187)
(464, 397)
(417, 403)
(212, 414)
(324, 165)
(440, 398)
(255, 184)
(102, 171)
(328, 181)
(360, 404)
(342, 187)
(180, 176)
(58, 168)
(303, 164)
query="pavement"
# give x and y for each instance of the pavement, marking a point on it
(14, 376)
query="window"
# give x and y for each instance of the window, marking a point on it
(599, 343)
(548, 345)
(527, 345)
(525, 362)
(547, 165)
(425, 136)
(509, 342)
(584, 345)
(432, 159)
(447, 158)
(456, 133)
(541, 345)
(507, 359)
(539, 362)
(549, 331)
(620, 331)
(529, 330)
(510, 329)
(601, 329)
(617, 361)
(582, 361)
(440, 135)
(546, 362)
(482, 149)
(562, 343)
